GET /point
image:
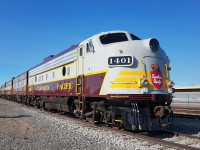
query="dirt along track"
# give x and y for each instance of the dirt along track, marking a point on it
(23, 127)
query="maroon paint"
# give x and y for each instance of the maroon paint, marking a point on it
(53, 90)
(92, 87)
(92, 84)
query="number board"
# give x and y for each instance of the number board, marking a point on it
(120, 61)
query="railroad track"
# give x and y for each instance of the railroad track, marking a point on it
(164, 138)
(158, 138)
(175, 140)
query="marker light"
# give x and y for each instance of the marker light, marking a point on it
(145, 90)
(171, 84)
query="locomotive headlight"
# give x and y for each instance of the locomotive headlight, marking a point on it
(144, 83)
(154, 44)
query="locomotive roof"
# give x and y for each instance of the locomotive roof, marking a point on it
(114, 31)
(47, 59)
(187, 87)
(51, 57)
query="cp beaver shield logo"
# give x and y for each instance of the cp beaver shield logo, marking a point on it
(156, 76)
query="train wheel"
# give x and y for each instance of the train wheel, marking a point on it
(75, 108)
(29, 101)
(39, 103)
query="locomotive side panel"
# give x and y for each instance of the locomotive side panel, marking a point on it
(93, 84)
(3, 91)
(56, 77)
(8, 90)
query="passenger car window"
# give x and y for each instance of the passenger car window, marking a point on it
(113, 38)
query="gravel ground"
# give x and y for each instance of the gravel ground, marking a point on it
(27, 128)
(22, 127)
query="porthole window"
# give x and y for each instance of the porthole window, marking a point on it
(64, 71)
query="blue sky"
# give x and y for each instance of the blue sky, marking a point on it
(30, 30)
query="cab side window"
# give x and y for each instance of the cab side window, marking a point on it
(89, 47)
(81, 51)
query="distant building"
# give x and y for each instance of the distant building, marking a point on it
(187, 88)
(186, 95)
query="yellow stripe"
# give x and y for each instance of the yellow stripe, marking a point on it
(131, 73)
(133, 86)
(98, 72)
(137, 80)
(126, 80)
(119, 83)
(138, 73)
(122, 86)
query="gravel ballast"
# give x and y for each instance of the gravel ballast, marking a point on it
(28, 128)
(22, 127)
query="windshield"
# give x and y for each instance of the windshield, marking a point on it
(113, 38)
(135, 37)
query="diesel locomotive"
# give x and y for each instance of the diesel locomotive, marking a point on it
(113, 78)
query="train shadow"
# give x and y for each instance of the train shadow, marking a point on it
(19, 116)
(160, 134)
(186, 125)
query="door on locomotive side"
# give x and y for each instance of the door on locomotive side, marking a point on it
(80, 70)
